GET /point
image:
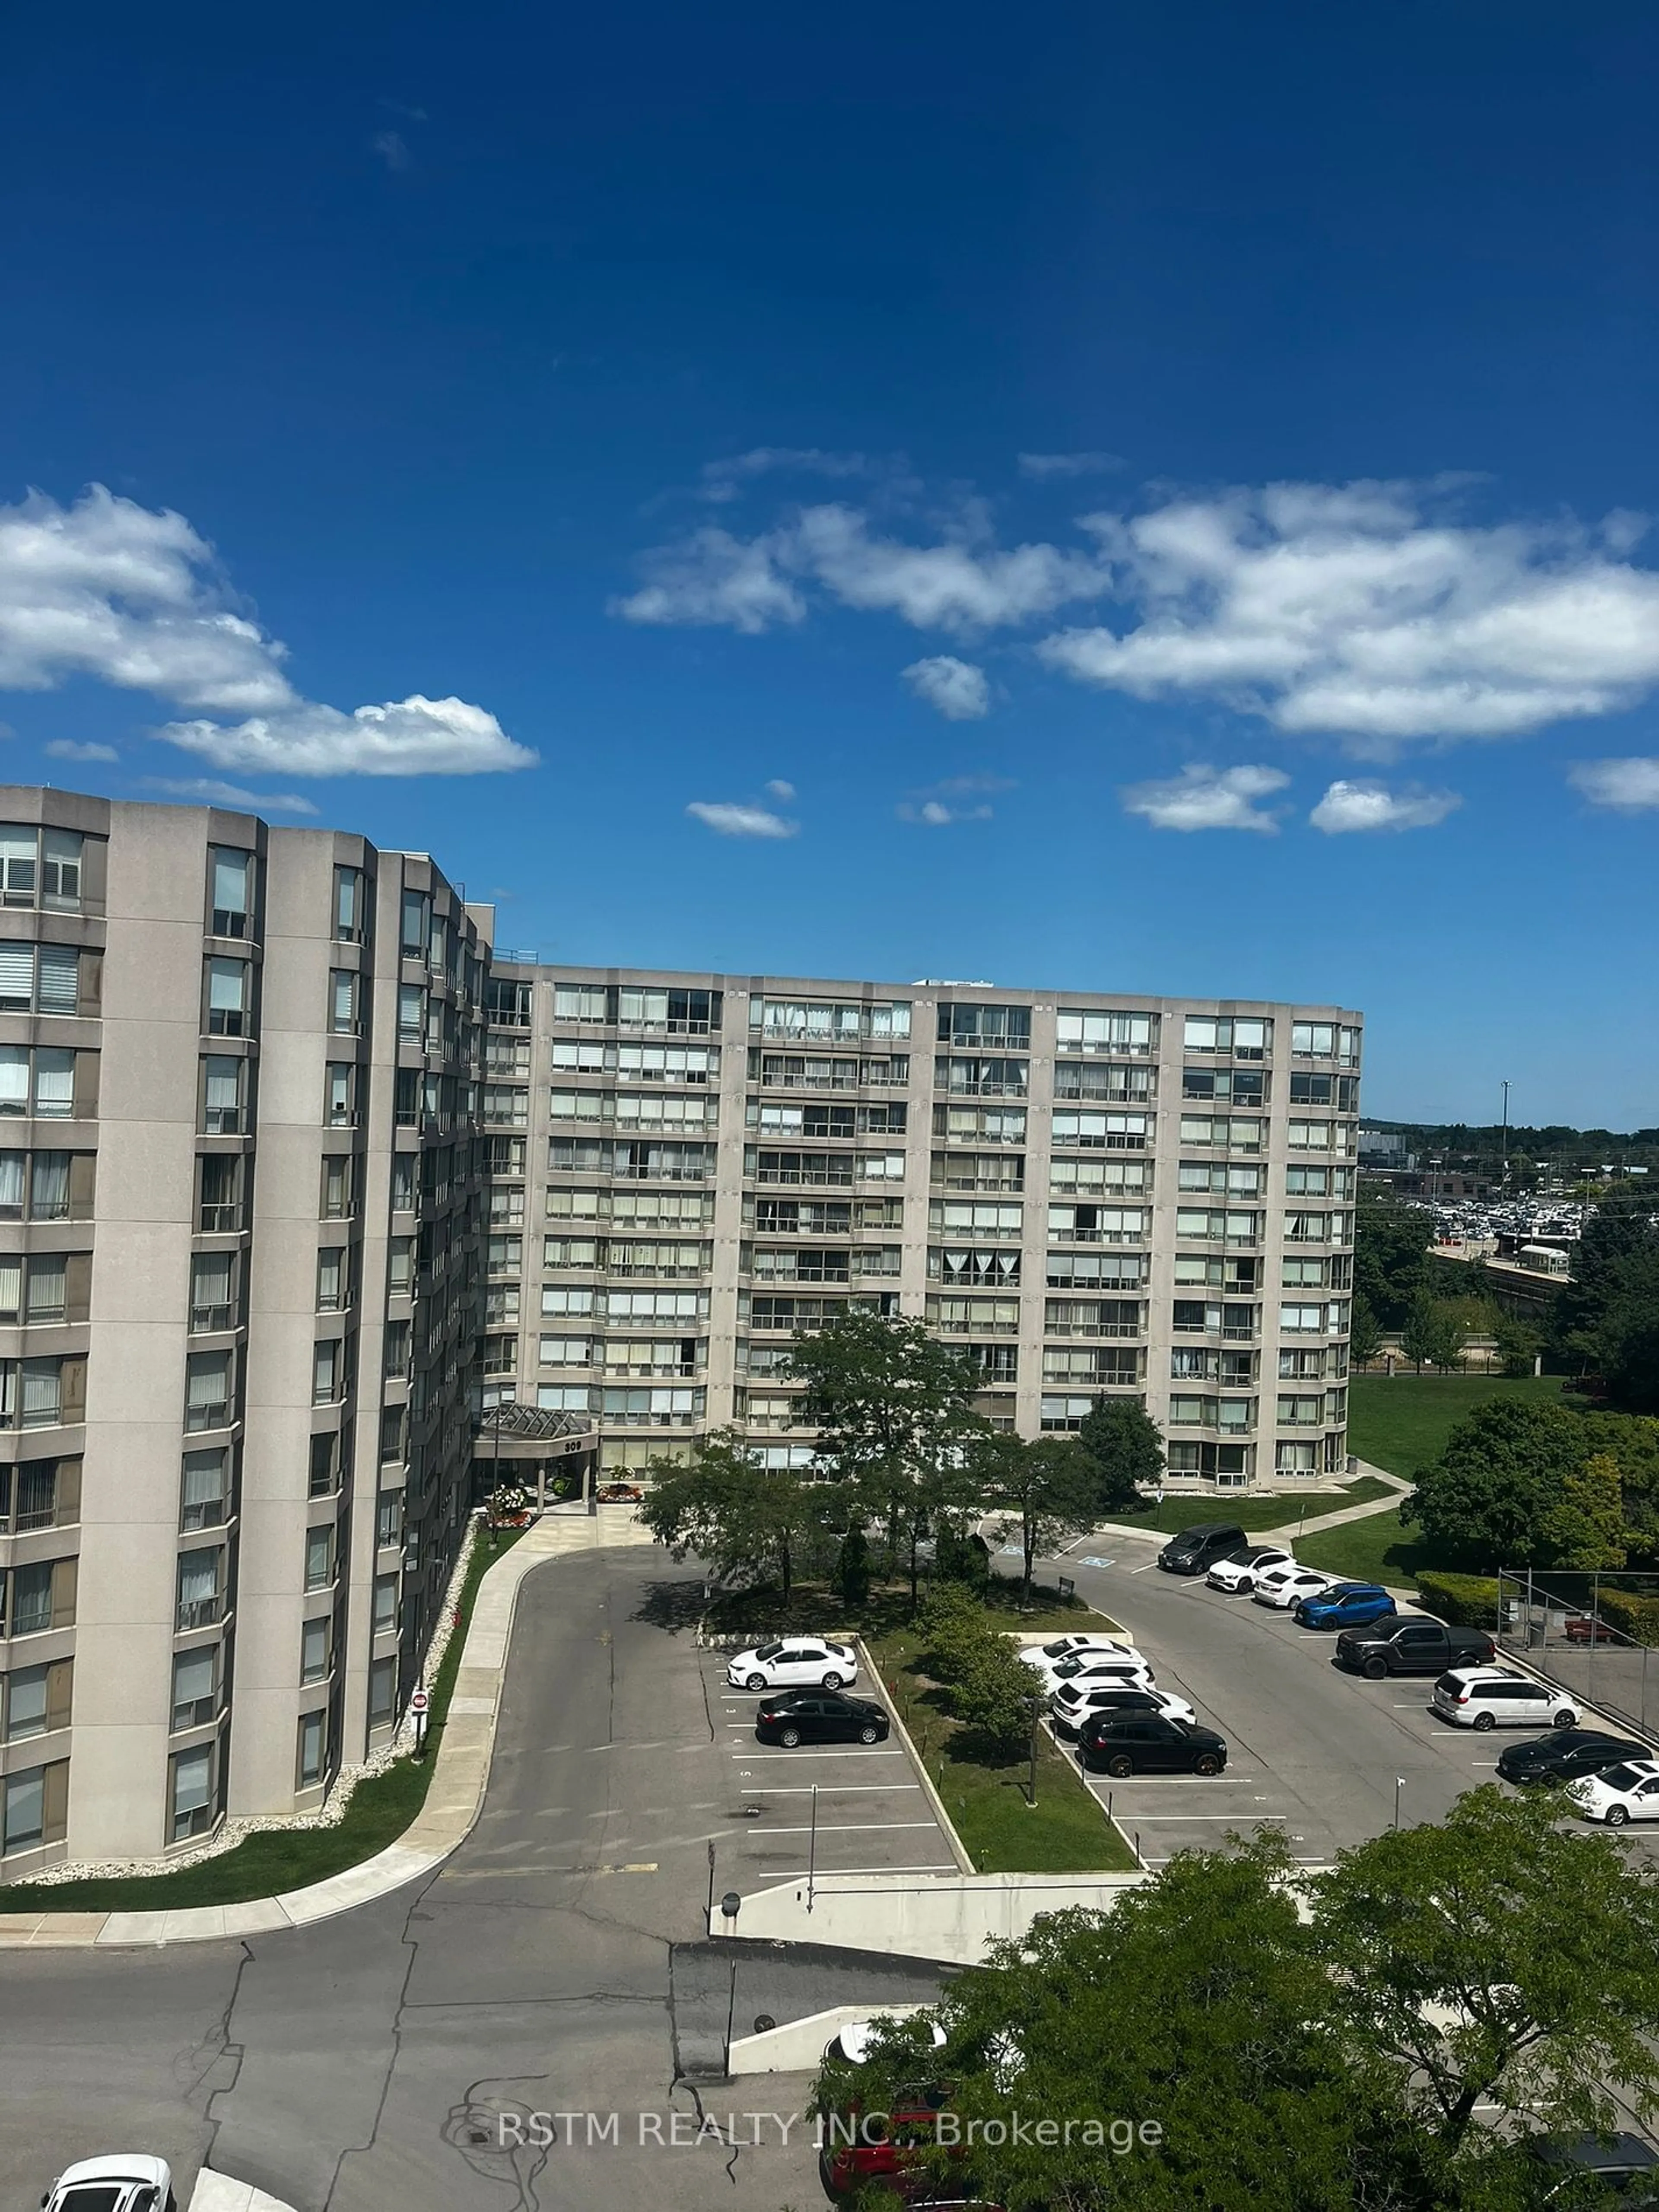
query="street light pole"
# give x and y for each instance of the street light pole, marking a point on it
(1399, 1784)
(1506, 1136)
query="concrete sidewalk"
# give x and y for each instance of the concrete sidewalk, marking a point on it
(453, 1800)
(1291, 1529)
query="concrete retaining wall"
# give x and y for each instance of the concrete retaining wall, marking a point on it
(798, 2046)
(949, 1918)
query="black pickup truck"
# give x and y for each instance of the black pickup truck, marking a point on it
(1409, 1643)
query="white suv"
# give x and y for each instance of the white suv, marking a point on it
(1285, 1588)
(1494, 1697)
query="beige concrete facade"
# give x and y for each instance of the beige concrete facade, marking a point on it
(1090, 1192)
(233, 1469)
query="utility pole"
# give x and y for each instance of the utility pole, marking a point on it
(1506, 1136)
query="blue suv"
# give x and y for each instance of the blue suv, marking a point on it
(1345, 1605)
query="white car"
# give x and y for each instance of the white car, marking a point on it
(1286, 1586)
(1497, 1696)
(851, 2044)
(1101, 1670)
(1119, 1655)
(793, 1662)
(1071, 1706)
(133, 2184)
(1239, 1575)
(1047, 1656)
(1629, 1791)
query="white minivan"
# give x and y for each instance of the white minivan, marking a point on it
(1493, 1697)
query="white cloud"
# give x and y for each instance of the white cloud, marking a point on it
(1363, 803)
(781, 790)
(405, 736)
(1045, 466)
(939, 805)
(713, 578)
(937, 814)
(957, 688)
(723, 480)
(1202, 798)
(1629, 786)
(392, 147)
(132, 597)
(1354, 610)
(71, 748)
(207, 791)
(731, 821)
(960, 584)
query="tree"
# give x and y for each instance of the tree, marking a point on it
(1433, 1333)
(1496, 1958)
(1390, 1254)
(1518, 1344)
(1607, 1317)
(1499, 1494)
(998, 1694)
(894, 1412)
(1584, 1526)
(853, 1568)
(1196, 2011)
(1049, 1490)
(1123, 1442)
(723, 1505)
(1364, 1332)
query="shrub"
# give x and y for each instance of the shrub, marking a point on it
(1465, 1601)
(1635, 1617)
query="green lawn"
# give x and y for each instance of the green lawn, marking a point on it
(1065, 1833)
(1278, 1512)
(1374, 1550)
(281, 1859)
(1401, 1422)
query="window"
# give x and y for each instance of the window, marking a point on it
(40, 867)
(339, 1186)
(397, 1344)
(994, 1026)
(1296, 1459)
(508, 1004)
(387, 1589)
(389, 1519)
(1076, 1030)
(207, 1390)
(340, 1095)
(1238, 1086)
(212, 1291)
(323, 1478)
(402, 1182)
(343, 988)
(566, 1351)
(316, 1656)
(39, 1493)
(382, 1692)
(232, 874)
(417, 924)
(223, 1086)
(312, 1761)
(350, 910)
(205, 1490)
(200, 1587)
(331, 1278)
(192, 1793)
(42, 1393)
(319, 1558)
(1228, 1465)
(1239, 1133)
(1117, 1133)
(394, 1423)
(327, 1372)
(229, 988)
(32, 1702)
(1247, 1040)
(45, 979)
(195, 1687)
(220, 1210)
(41, 1081)
(34, 1802)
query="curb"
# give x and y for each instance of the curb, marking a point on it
(453, 1800)
(965, 1865)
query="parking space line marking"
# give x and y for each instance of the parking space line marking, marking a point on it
(1173, 1819)
(878, 1751)
(849, 1827)
(842, 1788)
(1167, 1781)
(934, 1866)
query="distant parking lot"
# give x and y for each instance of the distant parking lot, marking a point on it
(873, 1815)
(1312, 1750)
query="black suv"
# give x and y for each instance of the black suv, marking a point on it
(1564, 1755)
(1196, 1549)
(1148, 1743)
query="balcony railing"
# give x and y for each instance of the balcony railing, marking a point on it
(1097, 1236)
(201, 1611)
(221, 1221)
(1103, 1329)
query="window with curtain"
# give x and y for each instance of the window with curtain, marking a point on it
(195, 1687)
(14, 1078)
(61, 852)
(211, 1303)
(342, 1001)
(11, 1287)
(54, 1084)
(330, 1278)
(14, 1185)
(23, 1809)
(59, 984)
(233, 887)
(46, 1293)
(41, 1398)
(325, 1372)
(348, 905)
(227, 997)
(192, 1792)
(222, 1094)
(313, 1650)
(49, 1185)
(26, 1695)
(337, 1109)
(199, 1586)
(16, 977)
(313, 1748)
(319, 1558)
(205, 1490)
(18, 845)
(207, 1390)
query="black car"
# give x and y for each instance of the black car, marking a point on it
(1196, 1549)
(1120, 1744)
(1625, 2167)
(793, 1716)
(1566, 1754)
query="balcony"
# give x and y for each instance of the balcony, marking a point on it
(200, 1612)
(1097, 1236)
(1102, 1330)
(221, 1221)
(830, 1175)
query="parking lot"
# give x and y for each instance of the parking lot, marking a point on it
(1320, 1754)
(826, 1809)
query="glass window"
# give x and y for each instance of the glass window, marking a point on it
(416, 908)
(192, 1792)
(222, 1094)
(232, 883)
(326, 1371)
(211, 1298)
(227, 997)
(319, 1558)
(23, 1810)
(313, 1748)
(195, 1686)
(382, 1692)
(342, 1001)
(54, 1084)
(25, 1715)
(205, 1490)
(385, 1603)
(314, 1650)
(199, 1587)
(14, 1078)
(349, 909)
(60, 970)
(331, 1279)
(338, 1109)
(18, 844)
(61, 851)
(207, 1390)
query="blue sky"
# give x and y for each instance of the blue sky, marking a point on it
(1150, 499)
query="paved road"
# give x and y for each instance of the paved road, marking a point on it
(1312, 1750)
(558, 1963)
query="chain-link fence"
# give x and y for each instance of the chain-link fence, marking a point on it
(1560, 1623)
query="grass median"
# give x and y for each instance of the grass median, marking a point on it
(1281, 1511)
(277, 1860)
(1066, 1831)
